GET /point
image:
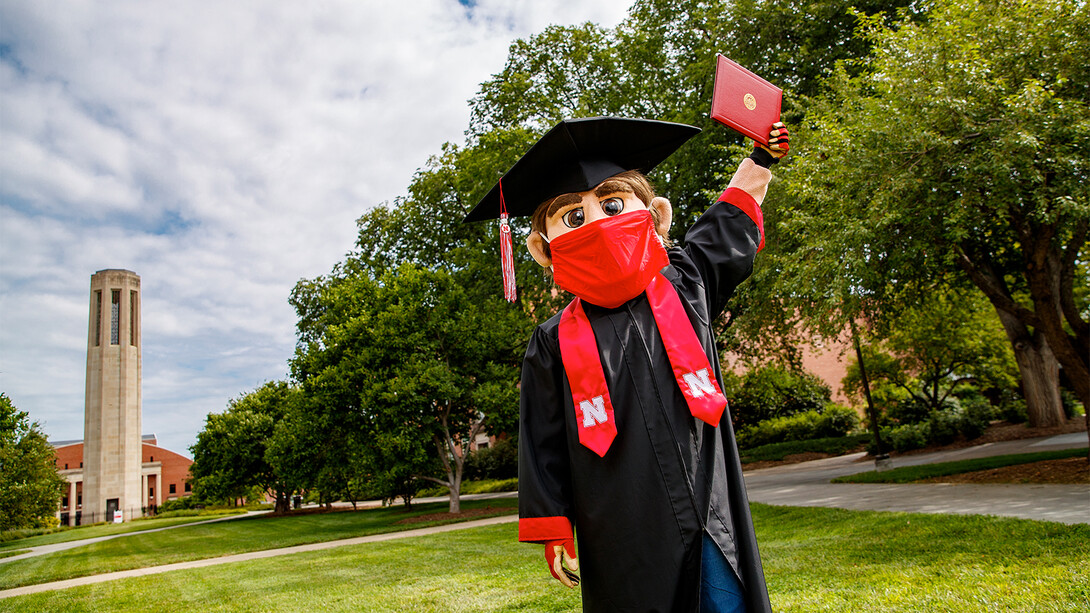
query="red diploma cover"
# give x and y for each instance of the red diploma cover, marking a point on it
(744, 101)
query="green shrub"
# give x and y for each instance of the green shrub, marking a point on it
(910, 410)
(943, 425)
(832, 446)
(12, 535)
(487, 486)
(1070, 404)
(1012, 408)
(908, 437)
(977, 414)
(834, 421)
(180, 504)
(500, 461)
(772, 391)
(490, 486)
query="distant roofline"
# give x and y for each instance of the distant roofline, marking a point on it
(144, 437)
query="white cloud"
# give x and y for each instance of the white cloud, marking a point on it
(222, 151)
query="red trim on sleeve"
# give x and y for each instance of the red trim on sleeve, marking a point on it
(541, 529)
(741, 199)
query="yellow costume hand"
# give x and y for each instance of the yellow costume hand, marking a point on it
(778, 141)
(562, 561)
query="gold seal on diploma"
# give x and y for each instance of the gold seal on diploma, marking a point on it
(749, 101)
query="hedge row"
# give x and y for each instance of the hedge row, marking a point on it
(831, 422)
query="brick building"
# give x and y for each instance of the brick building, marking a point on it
(163, 475)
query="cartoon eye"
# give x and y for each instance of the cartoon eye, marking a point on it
(574, 218)
(612, 206)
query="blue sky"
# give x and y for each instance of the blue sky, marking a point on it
(222, 151)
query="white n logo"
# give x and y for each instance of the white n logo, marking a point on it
(699, 383)
(594, 411)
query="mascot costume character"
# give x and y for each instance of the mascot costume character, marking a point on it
(625, 441)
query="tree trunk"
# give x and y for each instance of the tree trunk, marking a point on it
(1039, 370)
(458, 463)
(456, 495)
(880, 450)
(282, 505)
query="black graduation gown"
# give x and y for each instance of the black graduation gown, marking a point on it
(639, 512)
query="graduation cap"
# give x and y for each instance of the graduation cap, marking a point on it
(575, 156)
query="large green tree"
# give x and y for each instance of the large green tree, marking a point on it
(947, 339)
(30, 486)
(959, 152)
(231, 455)
(414, 357)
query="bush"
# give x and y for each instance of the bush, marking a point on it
(1012, 408)
(943, 425)
(832, 446)
(909, 411)
(500, 461)
(977, 414)
(1070, 404)
(908, 437)
(772, 391)
(180, 504)
(487, 486)
(12, 535)
(834, 421)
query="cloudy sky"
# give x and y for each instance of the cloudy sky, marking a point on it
(222, 151)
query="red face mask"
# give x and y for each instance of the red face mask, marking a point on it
(610, 261)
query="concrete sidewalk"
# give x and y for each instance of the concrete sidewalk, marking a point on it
(807, 484)
(253, 555)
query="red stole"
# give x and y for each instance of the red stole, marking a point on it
(582, 364)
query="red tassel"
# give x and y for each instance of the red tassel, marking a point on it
(506, 256)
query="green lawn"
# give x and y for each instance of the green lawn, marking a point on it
(816, 560)
(221, 538)
(909, 474)
(104, 529)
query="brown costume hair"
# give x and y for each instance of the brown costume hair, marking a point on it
(628, 182)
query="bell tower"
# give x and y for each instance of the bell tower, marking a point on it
(111, 421)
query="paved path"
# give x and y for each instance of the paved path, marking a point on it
(253, 555)
(807, 484)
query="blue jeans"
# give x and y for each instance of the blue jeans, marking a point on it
(720, 591)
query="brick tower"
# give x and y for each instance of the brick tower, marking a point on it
(111, 421)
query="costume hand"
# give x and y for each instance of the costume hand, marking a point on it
(562, 561)
(778, 141)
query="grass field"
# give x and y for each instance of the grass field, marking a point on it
(105, 529)
(816, 560)
(221, 538)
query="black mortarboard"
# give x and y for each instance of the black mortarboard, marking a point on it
(577, 155)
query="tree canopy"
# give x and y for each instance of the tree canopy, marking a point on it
(938, 148)
(958, 153)
(30, 487)
(231, 457)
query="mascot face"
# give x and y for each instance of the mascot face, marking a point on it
(570, 212)
(615, 197)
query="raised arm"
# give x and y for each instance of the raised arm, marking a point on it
(727, 237)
